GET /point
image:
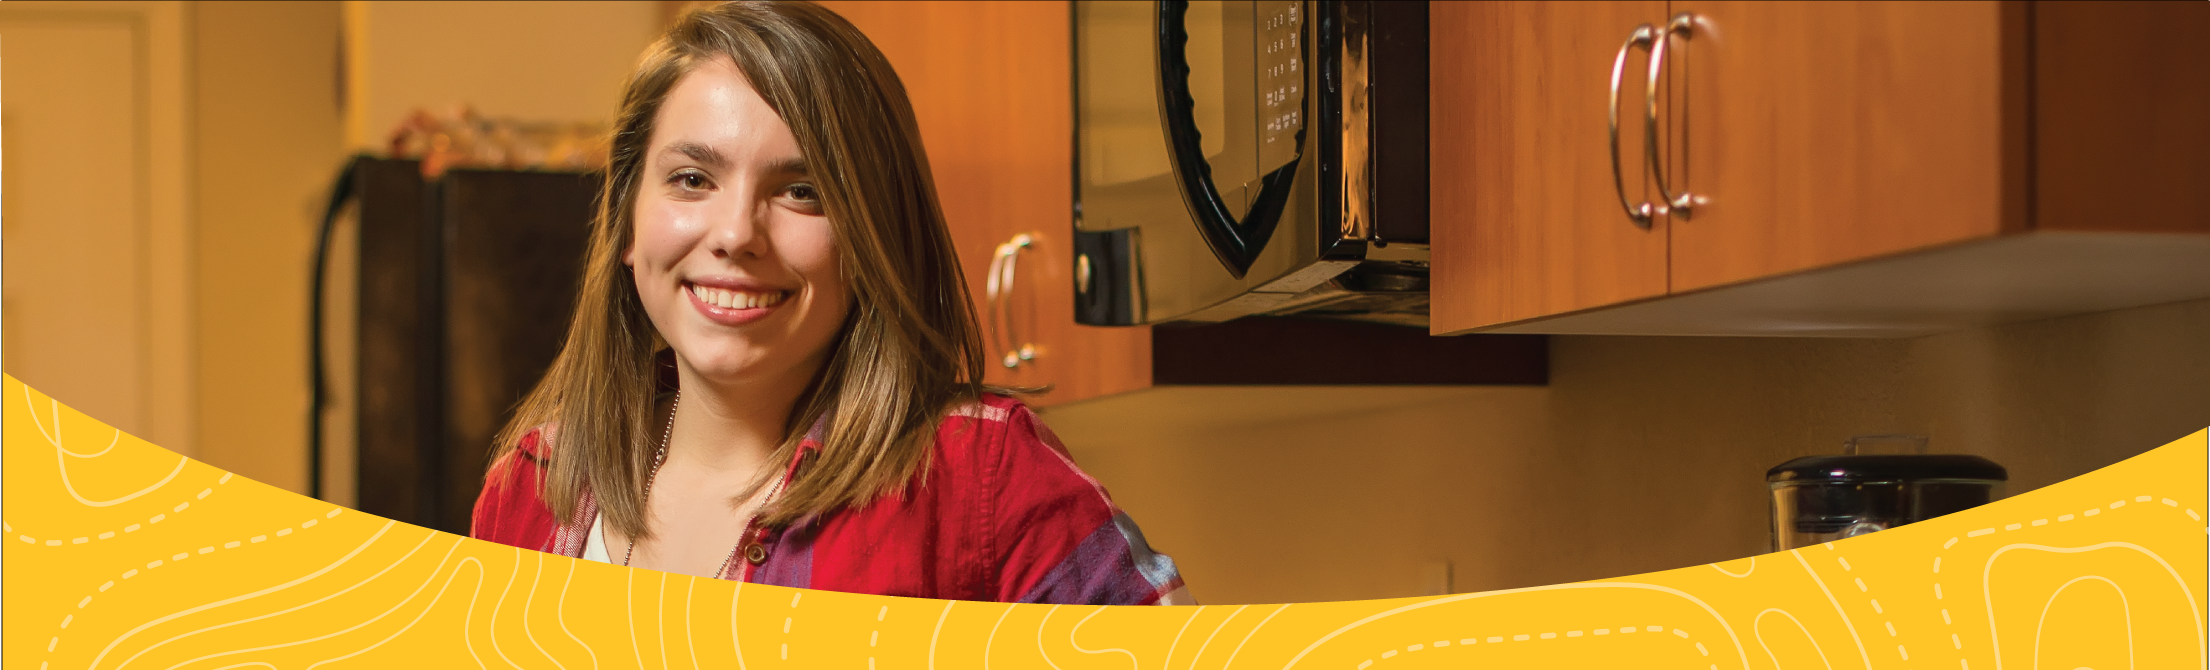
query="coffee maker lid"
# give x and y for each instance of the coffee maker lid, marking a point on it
(1885, 467)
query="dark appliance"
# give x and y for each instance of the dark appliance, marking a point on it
(466, 285)
(1239, 158)
(1825, 498)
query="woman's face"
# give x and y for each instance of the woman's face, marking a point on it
(734, 258)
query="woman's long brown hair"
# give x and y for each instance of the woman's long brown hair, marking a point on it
(909, 350)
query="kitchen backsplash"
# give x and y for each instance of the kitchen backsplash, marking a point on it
(1642, 454)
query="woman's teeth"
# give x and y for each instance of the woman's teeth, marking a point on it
(728, 299)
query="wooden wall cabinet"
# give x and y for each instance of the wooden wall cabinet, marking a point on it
(990, 85)
(1526, 222)
(1831, 132)
(1834, 168)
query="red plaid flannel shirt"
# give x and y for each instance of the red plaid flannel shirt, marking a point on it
(1002, 515)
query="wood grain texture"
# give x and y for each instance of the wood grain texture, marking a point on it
(1961, 287)
(1526, 220)
(991, 90)
(1834, 131)
(2122, 125)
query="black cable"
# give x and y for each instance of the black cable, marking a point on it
(340, 194)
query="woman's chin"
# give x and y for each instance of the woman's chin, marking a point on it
(736, 367)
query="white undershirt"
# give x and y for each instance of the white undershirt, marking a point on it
(594, 543)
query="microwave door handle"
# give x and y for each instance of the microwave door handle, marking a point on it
(1236, 243)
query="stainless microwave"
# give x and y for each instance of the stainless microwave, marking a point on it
(1242, 158)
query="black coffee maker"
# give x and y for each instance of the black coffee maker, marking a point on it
(1879, 482)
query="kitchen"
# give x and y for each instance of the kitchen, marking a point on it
(1641, 444)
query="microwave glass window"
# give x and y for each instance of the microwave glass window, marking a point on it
(1122, 142)
(1246, 75)
(1206, 51)
(1222, 53)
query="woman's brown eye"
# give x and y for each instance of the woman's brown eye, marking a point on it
(804, 192)
(689, 181)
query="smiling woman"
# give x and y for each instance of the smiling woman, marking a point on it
(769, 216)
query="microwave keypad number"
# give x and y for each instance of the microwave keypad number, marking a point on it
(1281, 81)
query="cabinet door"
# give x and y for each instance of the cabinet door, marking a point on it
(1527, 219)
(2121, 92)
(991, 89)
(1823, 132)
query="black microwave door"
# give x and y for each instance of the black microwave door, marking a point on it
(1259, 50)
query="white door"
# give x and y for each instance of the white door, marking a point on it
(94, 297)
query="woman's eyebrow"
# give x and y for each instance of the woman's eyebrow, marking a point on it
(794, 166)
(701, 153)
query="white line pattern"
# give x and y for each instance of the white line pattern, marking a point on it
(1715, 617)
(1958, 642)
(127, 574)
(1387, 654)
(239, 598)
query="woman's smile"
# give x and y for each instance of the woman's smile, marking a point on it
(733, 302)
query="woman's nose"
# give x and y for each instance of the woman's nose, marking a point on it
(739, 232)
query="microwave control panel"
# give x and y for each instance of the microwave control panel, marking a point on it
(1281, 78)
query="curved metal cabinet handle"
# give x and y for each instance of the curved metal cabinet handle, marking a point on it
(1004, 268)
(1678, 205)
(1643, 36)
(993, 328)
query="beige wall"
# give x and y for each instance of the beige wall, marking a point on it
(268, 139)
(2052, 399)
(1305, 494)
(539, 61)
(1642, 454)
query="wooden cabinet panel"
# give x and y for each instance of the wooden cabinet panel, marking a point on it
(1823, 132)
(2122, 116)
(990, 88)
(1526, 219)
(1857, 169)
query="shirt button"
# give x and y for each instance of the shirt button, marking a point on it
(755, 553)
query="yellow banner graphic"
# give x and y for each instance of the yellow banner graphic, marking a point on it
(124, 556)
